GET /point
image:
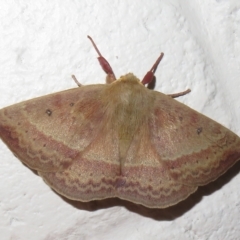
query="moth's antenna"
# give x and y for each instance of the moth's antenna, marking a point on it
(104, 64)
(150, 74)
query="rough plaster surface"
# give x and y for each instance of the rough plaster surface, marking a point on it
(43, 42)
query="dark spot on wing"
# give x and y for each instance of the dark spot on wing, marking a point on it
(48, 112)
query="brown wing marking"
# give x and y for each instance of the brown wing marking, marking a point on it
(49, 132)
(196, 149)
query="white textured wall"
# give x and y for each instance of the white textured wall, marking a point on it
(43, 42)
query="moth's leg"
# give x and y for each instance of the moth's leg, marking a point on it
(150, 74)
(76, 81)
(104, 64)
(174, 95)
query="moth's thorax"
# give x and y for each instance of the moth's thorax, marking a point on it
(128, 104)
(126, 95)
(126, 89)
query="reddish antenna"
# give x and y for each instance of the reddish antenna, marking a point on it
(150, 74)
(104, 64)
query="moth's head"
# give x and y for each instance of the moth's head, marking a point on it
(130, 77)
(124, 90)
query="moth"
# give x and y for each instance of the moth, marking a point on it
(119, 139)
